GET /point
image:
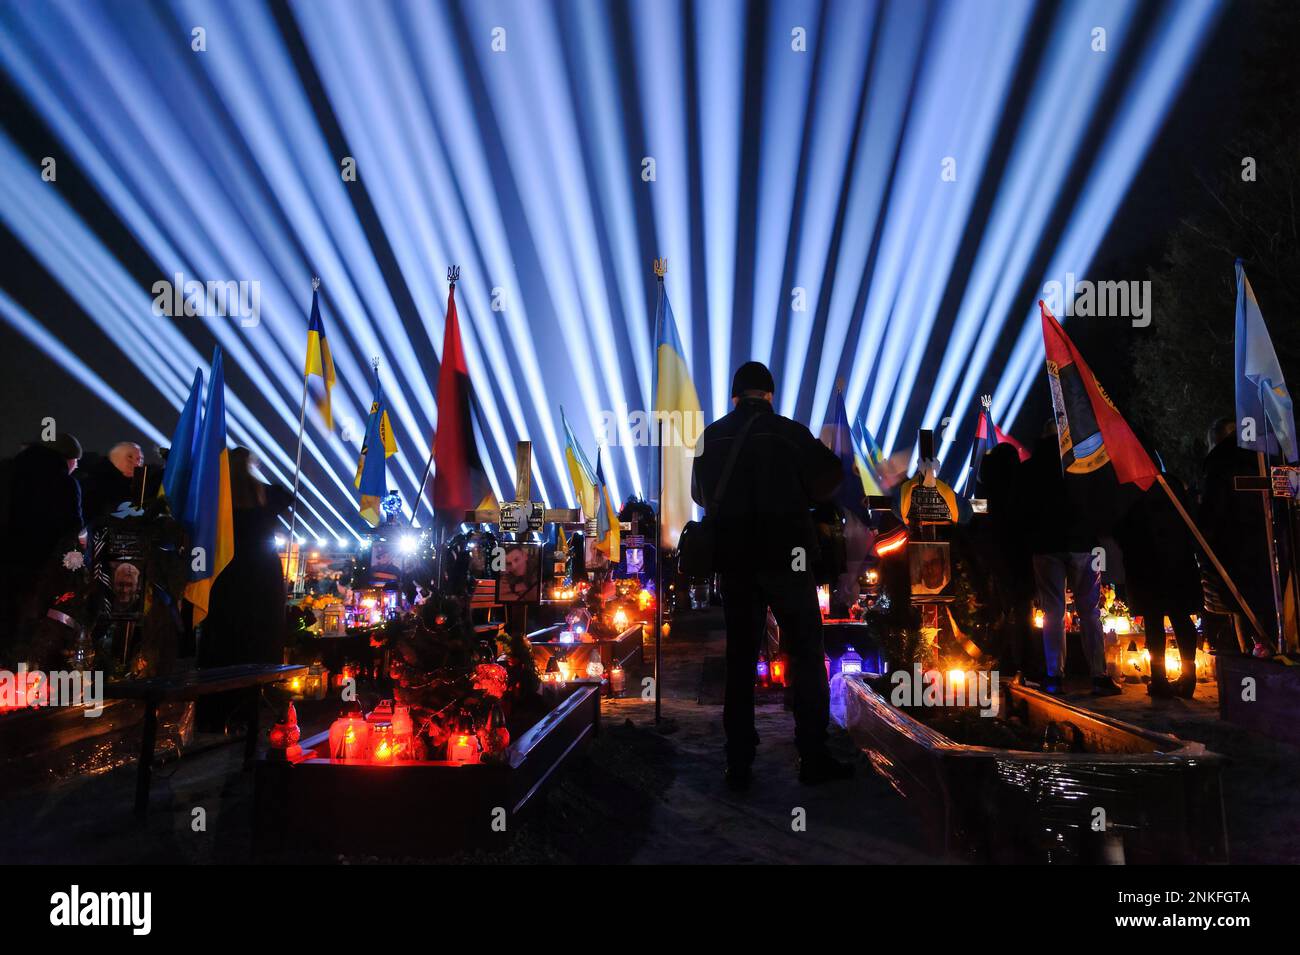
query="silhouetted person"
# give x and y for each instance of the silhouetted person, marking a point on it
(42, 517)
(1011, 577)
(1233, 524)
(766, 548)
(106, 483)
(1161, 580)
(246, 614)
(1062, 538)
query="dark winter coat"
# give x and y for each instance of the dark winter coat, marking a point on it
(1160, 569)
(781, 473)
(1056, 523)
(103, 489)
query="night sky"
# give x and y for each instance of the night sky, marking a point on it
(1203, 116)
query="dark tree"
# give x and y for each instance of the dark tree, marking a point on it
(1245, 206)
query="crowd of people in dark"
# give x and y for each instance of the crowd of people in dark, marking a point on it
(1046, 540)
(52, 496)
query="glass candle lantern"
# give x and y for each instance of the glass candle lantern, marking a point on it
(463, 747)
(383, 747)
(350, 737)
(851, 662)
(617, 680)
(403, 732)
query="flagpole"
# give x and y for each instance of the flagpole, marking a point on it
(660, 268)
(297, 469)
(1274, 569)
(1209, 552)
(453, 276)
(660, 596)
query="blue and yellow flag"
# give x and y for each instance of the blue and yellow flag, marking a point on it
(319, 361)
(1265, 420)
(608, 539)
(580, 472)
(678, 418)
(836, 435)
(184, 446)
(209, 515)
(869, 458)
(372, 473)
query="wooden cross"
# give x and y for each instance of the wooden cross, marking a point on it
(521, 514)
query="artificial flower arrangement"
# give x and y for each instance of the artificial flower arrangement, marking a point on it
(463, 692)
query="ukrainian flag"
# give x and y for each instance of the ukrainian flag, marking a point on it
(580, 472)
(869, 459)
(183, 449)
(372, 475)
(208, 514)
(677, 405)
(319, 361)
(607, 526)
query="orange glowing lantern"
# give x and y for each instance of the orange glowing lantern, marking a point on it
(1039, 618)
(620, 620)
(778, 672)
(617, 680)
(382, 746)
(1134, 663)
(284, 736)
(463, 748)
(403, 732)
(350, 736)
(595, 669)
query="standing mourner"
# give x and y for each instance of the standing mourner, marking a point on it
(766, 549)
(1162, 580)
(42, 513)
(107, 483)
(246, 611)
(1233, 524)
(1062, 541)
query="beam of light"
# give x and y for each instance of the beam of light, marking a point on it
(841, 66)
(787, 82)
(955, 107)
(38, 216)
(1176, 42)
(1061, 106)
(552, 131)
(22, 322)
(898, 48)
(719, 63)
(523, 167)
(971, 139)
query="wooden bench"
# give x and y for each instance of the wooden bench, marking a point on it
(189, 687)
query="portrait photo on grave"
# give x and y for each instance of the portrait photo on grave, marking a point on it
(520, 579)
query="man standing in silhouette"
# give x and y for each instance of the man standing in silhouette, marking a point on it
(766, 549)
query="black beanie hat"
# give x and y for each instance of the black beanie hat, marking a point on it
(752, 376)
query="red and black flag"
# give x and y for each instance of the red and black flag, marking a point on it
(459, 479)
(987, 437)
(1089, 429)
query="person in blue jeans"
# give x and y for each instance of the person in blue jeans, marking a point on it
(1052, 573)
(1063, 544)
